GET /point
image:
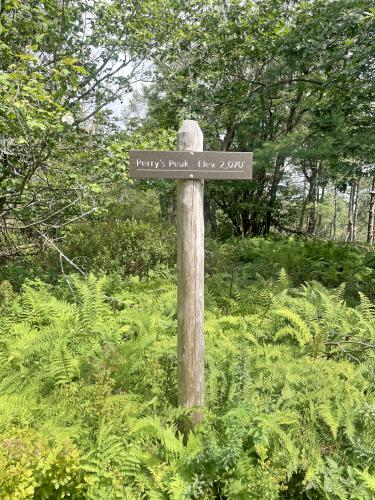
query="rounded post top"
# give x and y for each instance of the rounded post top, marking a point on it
(190, 136)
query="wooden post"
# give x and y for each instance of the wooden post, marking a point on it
(190, 165)
(190, 269)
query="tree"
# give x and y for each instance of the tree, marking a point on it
(62, 63)
(265, 76)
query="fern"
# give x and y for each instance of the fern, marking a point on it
(149, 427)
(63, 367)
(299, 329)
(285, 406)
(368, 479)
(329, 418)
(367, 308)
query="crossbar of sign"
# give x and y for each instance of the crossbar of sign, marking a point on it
(191, 164)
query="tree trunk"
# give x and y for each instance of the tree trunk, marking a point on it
(355, 210)
(349, 231)
(334, 220)
(213, 220)
(312, 197)
(210, 216)
(229, 136)
(245, 222)
(303, 209)
(320, 199)
(371, 214)
(277, 176)
(280, 163)
(352, 212)
(311, 225)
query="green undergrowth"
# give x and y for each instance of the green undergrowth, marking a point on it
(122, 247)
(329, 263)
(88, 392)
(138, 248)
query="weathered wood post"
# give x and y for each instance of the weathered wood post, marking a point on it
(189, 166)
(190, 269)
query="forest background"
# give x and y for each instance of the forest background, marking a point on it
(87, 278)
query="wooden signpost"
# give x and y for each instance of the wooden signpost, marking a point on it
(190, 165)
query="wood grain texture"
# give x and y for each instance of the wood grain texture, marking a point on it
(190, 266)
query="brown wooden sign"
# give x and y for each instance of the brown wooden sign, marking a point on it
(191, 164)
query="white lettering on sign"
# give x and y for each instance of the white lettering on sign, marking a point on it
(191, 164)
(228, 164)
(150, 163)
(206, 164)
(178, 164)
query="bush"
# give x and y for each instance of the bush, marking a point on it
(32, 466)
(329, 263)
(126, 247)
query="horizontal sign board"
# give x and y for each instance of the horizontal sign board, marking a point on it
(191, 164)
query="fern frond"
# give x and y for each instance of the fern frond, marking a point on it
(329, 418)
(298, 327)
(282, 282)
(151, 428)
(368, 479)
(177, 487)
(366, 307)
(63, 367)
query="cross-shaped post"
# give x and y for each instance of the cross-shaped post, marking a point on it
(190, 165)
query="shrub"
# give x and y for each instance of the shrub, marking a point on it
(126, 247)
(32, 466)
(329, 263)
